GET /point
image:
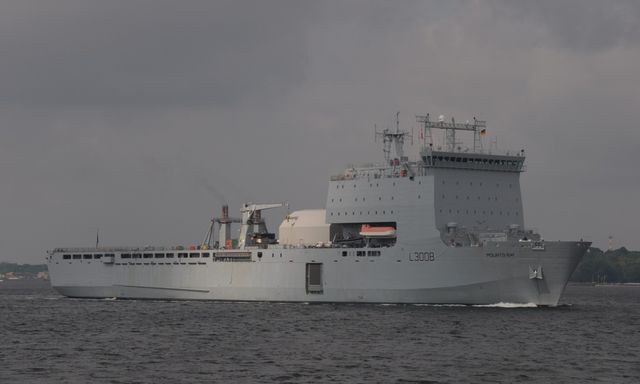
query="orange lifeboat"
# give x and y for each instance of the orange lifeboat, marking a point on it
(371, 231)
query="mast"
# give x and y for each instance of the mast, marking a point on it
(389, 138)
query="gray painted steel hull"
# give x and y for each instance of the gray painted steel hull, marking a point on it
(455, 276)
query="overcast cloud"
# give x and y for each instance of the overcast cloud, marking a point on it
(141, 117)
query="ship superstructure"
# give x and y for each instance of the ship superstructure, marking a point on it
(446, 227)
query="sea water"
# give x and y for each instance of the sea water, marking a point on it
(592, 337)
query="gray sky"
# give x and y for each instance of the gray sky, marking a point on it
(142, 117)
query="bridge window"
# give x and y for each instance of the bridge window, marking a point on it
(66, 257)
(77, 257)
(125, 256)
(87, 256)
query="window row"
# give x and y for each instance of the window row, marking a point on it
(480, 183)
(86, 256)
(489, 198)
(97, 256)
(484, 212)
(353, 213)
(361, 253)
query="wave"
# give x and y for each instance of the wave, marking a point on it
(507, 305)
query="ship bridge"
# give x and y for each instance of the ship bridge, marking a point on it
(447, 190)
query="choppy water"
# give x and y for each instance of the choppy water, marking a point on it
(594, 337)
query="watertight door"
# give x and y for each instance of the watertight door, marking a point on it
(314, 278)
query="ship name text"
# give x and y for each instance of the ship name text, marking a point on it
(500, 254)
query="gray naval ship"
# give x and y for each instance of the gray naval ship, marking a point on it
(445, 228)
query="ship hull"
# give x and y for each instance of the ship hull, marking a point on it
(431, 274)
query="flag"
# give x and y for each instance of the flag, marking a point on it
(483, 132)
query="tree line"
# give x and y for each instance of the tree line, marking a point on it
(615, 266)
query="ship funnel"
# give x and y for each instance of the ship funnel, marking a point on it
(224, 235)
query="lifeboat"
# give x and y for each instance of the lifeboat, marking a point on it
(371, 231)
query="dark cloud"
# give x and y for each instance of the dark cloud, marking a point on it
(142, 117)
(580, 25)
(148, 53)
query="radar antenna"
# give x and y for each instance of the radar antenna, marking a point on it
(478, 127)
